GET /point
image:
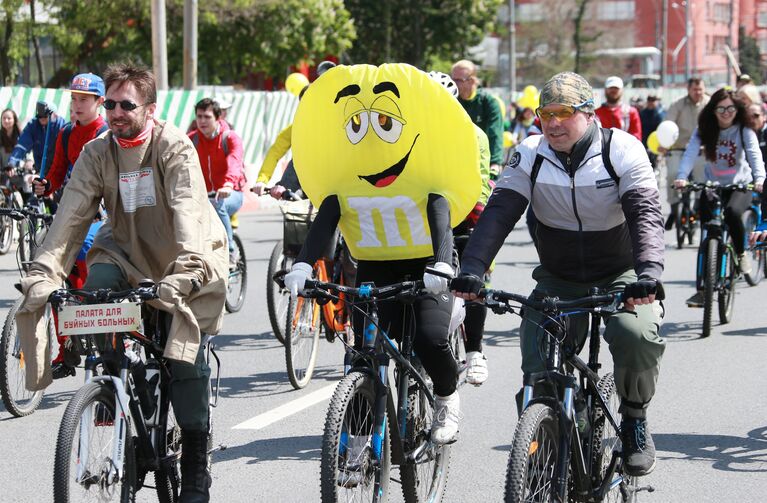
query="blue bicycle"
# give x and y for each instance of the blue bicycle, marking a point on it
(751, 219)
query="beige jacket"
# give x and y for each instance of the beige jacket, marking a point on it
(685, 113)
(161, 226)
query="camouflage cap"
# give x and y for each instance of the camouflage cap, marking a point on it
(568, 88)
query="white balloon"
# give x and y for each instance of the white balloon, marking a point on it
(668, 132)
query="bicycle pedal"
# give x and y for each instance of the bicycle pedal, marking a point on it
(218, 448)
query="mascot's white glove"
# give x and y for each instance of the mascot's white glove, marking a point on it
(437, 284)
(296, 278)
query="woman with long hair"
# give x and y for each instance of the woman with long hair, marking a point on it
(9, 134)
(732, 154)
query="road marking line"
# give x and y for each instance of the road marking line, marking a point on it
(263, 420)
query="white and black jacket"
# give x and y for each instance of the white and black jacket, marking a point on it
(591, 224)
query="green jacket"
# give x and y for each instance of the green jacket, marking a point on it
(484, 164)
(485, 113)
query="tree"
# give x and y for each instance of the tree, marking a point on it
(13, 47)
(419, 33)
(749, 57)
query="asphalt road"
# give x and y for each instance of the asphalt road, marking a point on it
(709, 417)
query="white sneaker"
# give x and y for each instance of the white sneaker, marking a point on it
(477, 368)
(447, 414)
(745, 263)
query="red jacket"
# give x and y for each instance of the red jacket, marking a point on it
(218, 168)
(623, 117)
(78, 137)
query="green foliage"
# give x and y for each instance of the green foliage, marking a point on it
(13, 39)
(419, 33)
(750, 56)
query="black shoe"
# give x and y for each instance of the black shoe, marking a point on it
(195, 475)
(670, 221)
(638, 447)
(696, 300)
(61, 370)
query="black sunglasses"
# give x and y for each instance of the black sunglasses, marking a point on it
(126, 105)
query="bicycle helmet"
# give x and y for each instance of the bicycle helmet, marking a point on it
(445, 81)
(324, 66)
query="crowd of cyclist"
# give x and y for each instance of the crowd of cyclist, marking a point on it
(591, 192)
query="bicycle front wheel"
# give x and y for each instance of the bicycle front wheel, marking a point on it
(302, 337)
(726, 296)
(168, 477)
(354, 457)
(531, 471)
(17, 399)
(277, 298)
(238, 280)
(710, 278)
(84, 469)
(757, 255)
(425, 467)
(6, 229)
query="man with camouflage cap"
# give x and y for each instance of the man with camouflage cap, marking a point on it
(599, 225)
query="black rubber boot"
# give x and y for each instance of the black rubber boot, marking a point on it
(195, 475)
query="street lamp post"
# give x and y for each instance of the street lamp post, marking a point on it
(512, 50)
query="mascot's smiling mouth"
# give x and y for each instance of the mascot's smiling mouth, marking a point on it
(387, 176)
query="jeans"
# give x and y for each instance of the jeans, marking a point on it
(225, 208)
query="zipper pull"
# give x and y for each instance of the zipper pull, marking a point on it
(572, 183)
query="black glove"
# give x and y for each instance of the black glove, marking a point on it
(644, 287)
(467, 283)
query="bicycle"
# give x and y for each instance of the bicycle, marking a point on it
(19, 401)
(119, 426)
(32, 229)
(686, 220)
(567, 441)
(237, 285)
(751, 219)
(717, 264)
(10, 199)
(370, 425)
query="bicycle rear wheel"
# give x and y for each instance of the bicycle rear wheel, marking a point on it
(353, 457)
(238, 280)
(531, 470)
(606, 441)
(757, 256)
(302, 337)
(425, 467)
(17, 399)
(84, 469)
(168, 478)
(711, 275)
(726, 295)
(277, 298)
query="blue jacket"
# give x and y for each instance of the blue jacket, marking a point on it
(33, 137)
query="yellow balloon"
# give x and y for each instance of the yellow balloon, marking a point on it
(652, 142)
(390, 136)
(508, 139)
(531, 91)
(295, 82)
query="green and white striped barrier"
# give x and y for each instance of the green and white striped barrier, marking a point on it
(256, 116)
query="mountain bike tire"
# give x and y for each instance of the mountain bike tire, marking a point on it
(96, 400)
(726, 294)
(302, 337)
(351, 415)
(757, 256)
(238, 280)
(531, 468)
(710, 279)
(277, 298)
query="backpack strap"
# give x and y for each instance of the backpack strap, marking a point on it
(225, 142)
(65, 132)
(534, 172)
(607, 136)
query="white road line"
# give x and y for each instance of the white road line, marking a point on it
(263, 420)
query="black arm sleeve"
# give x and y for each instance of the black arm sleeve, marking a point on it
(438, 214)
(645, 221)
(321, 231)
(502, 212)
(289, 178)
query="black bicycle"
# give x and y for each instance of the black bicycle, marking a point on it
(687, 219)
(33, 221)
(119, 426)
(371, 425)
(567, 443)
(237, 284)
(718, 268)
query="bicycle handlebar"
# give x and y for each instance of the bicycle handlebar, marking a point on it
(103, 295)
(699, 186)
(287, 195)
(22, 213)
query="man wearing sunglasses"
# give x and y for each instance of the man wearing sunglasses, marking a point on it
(599, 225)
(161, 227)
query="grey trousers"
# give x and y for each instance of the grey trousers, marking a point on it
(633, 338)
(189, 385)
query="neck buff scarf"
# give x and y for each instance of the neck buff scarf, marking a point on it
(139, 139)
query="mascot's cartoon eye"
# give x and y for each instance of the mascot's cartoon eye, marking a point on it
(386, 127)
(357, 126)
